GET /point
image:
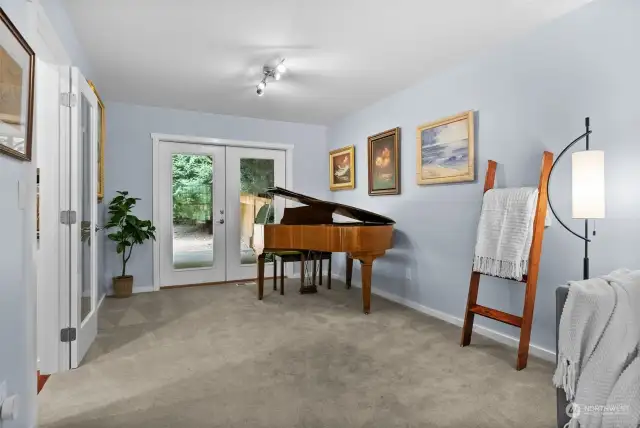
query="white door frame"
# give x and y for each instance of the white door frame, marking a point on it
(157, 138)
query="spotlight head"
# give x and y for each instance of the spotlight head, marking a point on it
(277, 75)
(262, 85)
(281, 68)
(260, 91)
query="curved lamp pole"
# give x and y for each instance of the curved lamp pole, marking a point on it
(598, 192)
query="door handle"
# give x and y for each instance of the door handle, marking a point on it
(85, 230)
(221, 221)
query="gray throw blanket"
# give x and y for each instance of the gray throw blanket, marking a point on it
(592, 359)
(623, 406)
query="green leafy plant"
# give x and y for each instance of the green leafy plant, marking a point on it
(130, 230)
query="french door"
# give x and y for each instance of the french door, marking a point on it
(192, 213)
(209, 197)
(81, 218)
(249, 173)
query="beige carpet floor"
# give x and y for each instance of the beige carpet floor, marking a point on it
(217, 357)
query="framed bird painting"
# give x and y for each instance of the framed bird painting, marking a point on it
(384, 163)
(341, 168)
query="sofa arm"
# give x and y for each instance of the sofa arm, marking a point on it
(561, 399)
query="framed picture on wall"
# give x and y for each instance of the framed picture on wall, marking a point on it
(384, 163)
(17, 72)
(342, 168)
(102, 136)
(445, 150)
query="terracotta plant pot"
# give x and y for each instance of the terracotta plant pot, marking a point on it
(122, 286)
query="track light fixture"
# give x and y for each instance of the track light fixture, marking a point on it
(270, 72)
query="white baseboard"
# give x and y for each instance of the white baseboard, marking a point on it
(136, 289)
(505, 339)
(145, 289)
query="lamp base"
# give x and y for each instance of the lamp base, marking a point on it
(585, 268)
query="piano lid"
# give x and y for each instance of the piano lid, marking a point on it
(334, 207)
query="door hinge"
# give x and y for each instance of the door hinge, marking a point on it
(68, 100)
(68, 335)
(67, 217)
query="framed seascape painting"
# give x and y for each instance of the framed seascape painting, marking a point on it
(342, 168)
(384, 163)
(17, 71)
(444, 150)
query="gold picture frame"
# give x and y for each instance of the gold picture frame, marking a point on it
(17, 80)
(342, 168)
(445, 150)
(102, 137)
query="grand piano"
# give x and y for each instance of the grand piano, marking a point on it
(311, 228)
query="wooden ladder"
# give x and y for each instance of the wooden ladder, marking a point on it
(525, 321)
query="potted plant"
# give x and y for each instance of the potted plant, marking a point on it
(129, 231)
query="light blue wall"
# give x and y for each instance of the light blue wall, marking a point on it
(60, 20)
(129, 160)
(17, 269)
(531, 96)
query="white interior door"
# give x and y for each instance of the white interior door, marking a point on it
(249, 173)
(48, 255)
(83, 200)
(191, 229)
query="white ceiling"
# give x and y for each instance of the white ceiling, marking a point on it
(207, 55)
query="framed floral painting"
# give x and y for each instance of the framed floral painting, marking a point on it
(384, 163)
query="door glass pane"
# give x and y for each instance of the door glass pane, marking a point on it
(192, 186)
(84, 172)
(256, 175)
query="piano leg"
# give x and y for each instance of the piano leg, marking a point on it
(260, 276)
(281, 276)
(329, 274)
(301, 272)
(275, 274)
(349, 270)
(366, 268)
(314, 260)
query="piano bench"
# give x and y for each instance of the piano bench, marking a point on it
(299, 256)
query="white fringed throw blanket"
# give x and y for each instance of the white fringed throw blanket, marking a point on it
(505, 232)
(599, 339)
(623, 405)
(585, 316)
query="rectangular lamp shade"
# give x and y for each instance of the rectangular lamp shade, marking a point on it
(587, 184)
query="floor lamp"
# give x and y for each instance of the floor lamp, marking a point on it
(587, 189)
